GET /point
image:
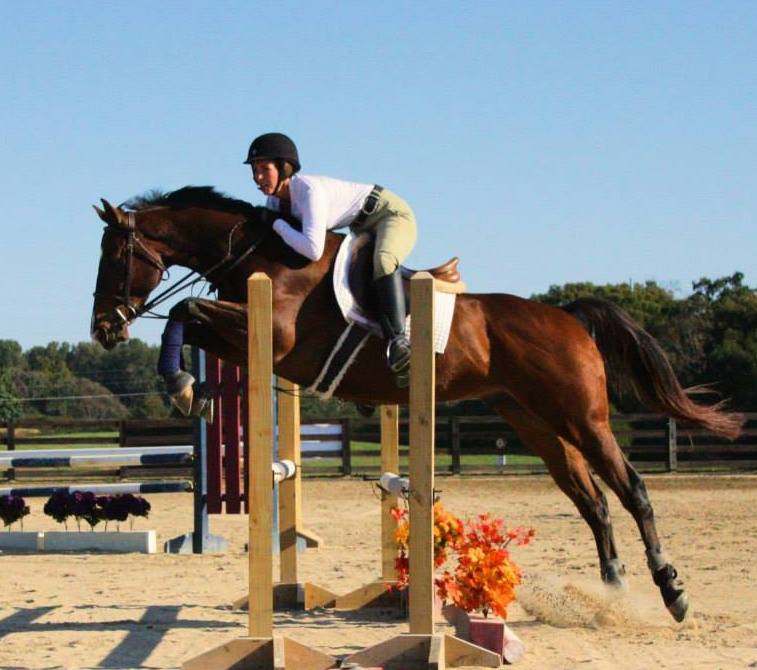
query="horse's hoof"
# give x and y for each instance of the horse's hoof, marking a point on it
(177, 382)
(613, 572)
(679, 607)
(180, 390)
(202, 403)
(673, 595)
(183, 401)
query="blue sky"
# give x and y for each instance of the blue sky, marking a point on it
(543, 142)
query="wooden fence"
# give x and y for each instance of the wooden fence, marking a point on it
(464, 444)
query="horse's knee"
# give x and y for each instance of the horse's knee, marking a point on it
(187, 309)
(180, 311)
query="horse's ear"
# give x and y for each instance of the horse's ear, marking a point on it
(113, 216)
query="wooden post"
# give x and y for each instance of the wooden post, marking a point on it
(290, 490)
(376, 595)
(454, 444)
(421, 466)
(672, 435)
(260, 372)
(390, 462)
(260, 650)
(290, 593)
(421, 649)
(11, 436)
(346, 447)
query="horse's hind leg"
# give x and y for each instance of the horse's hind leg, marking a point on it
(571, 473)
(599, 446)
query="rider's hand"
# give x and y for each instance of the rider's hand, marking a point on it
(266, 216)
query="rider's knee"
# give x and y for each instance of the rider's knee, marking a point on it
(384, 263)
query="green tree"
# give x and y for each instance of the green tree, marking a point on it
(11, 355)
(648, 304)
(710, 337)
(10, 407)
(50, 359)
(728, 308)
(128, 370)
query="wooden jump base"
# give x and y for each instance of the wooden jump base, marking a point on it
(422, 649)
(290, 593)
(260, 650)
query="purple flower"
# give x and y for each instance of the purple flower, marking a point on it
(138, 506)
(117, 509)
(58, 506)
(12, 509)
(82, 503)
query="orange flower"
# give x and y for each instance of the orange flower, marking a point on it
(484, 576)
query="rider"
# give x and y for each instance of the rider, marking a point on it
(324, 203)
(321, 204)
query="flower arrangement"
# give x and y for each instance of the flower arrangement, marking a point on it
(485, 576)
(84, 505)
(447, 531)
(12, 509)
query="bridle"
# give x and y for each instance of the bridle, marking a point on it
(127, 311)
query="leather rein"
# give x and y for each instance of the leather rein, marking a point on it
(126, 312)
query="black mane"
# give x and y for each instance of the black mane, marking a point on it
(190, 196)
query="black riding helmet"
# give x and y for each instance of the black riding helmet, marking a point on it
(275, 147)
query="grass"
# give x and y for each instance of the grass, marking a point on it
(443, 461)
(54, 444)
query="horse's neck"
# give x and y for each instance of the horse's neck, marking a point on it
(192, 241)
(200, 240)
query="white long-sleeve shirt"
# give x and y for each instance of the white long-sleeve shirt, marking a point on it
(321, 204)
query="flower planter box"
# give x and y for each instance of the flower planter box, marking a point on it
(492, 633)
(140, 541)
(18, 540)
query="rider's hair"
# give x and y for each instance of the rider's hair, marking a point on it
(285, 168)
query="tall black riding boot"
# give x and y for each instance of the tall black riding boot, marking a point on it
(392, 306)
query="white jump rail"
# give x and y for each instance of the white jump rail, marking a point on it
(124, 456)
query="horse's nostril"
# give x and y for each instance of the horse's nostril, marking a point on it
(102, 334)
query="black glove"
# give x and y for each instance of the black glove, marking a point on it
(265, 217)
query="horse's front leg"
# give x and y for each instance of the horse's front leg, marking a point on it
(218, 327)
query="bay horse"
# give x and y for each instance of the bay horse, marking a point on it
(542, 368)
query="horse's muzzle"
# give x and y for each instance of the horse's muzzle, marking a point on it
(108, 336)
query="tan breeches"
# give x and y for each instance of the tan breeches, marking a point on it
(393, 224)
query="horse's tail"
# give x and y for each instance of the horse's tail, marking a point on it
(640, 361)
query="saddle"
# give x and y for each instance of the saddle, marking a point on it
(360, 275)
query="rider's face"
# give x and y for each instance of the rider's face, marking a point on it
(266, 176)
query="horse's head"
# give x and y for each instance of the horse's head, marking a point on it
(217, 237)
(130, 268)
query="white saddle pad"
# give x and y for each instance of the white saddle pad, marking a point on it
(444, 303)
